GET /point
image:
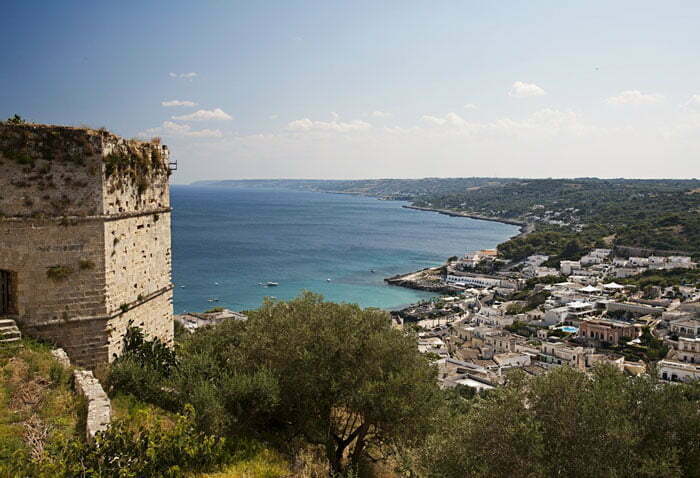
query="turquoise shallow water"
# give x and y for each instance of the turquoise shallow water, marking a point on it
(226, 241)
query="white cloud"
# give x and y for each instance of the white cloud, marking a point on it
(693, 103)
(168, 128)
(205, 115)
(171, 103)
(470, 106)
(335, 115)
(380, 114)
(635, 97)
(273, 117)
(450, 119)
(525, 90)
(549, 142)
(541, 125)
(183, 76)
(334, 126)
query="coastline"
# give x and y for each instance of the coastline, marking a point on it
(525, 227)
(412, 280)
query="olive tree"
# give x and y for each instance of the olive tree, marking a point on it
(347, 379)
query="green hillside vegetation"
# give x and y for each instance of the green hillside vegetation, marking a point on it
(656, 214)
(665, 278)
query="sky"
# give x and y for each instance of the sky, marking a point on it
(370, 89)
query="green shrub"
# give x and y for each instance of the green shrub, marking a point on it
(143, 369)
(154, 452)
(127, 375)
(153, 352)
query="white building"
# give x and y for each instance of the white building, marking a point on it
(638, 262)
(567, 267)
(512, 359)
(559, 353)
(677, 371)
(685, 326)
(589, 260)
(480, 281)
(689, 350)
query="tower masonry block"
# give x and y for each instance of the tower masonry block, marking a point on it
(84, 237)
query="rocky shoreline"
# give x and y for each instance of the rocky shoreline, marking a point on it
(421, 280)
(525, 227)
(418, 279)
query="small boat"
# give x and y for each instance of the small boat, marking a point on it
(372, 271)
(216, 283)
(213, 300)
(273, 284)
(182, 287)
(328, 280)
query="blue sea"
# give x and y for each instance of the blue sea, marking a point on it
(226, 241)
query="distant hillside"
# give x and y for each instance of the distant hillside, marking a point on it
(409, 189)
(661, 214)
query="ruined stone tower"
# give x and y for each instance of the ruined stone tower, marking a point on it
(84, 237)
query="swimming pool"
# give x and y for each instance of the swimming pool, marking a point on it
(568, 329)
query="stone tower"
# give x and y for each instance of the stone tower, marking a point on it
(84, 237)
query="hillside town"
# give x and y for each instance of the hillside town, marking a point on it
(528, 315)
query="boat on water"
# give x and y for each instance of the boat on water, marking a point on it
(273, 284)
(212, 300)
(328, 280)
(372, 271)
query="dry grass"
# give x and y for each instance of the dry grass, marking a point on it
(37, 406)
(264, 464)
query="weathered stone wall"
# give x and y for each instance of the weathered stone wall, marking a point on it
(136, 177)
(49, 171)
(154, 315)
(99, 408)
(85, 339)
(59, 270)
(137, 258)
(85, 235)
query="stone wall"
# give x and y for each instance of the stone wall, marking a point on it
(99, 408)
(85, 236)
(153, 315)
(58, 270)
(136, 177)
(137, 258)
(49, 171)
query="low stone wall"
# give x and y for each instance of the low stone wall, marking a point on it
(99, 410)
(61, 357)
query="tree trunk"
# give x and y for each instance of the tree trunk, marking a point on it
(359, 446)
